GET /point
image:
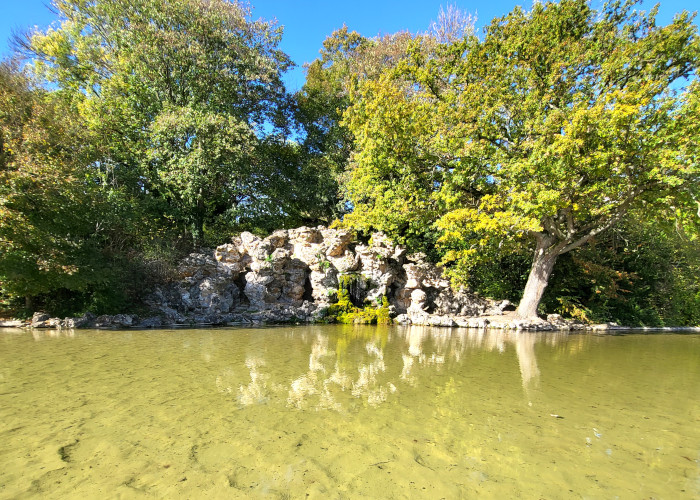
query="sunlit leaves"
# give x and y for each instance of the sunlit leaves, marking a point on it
(183, 97)
(546, 131)
(573, 116)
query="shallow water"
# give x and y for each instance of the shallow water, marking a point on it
(348, 412)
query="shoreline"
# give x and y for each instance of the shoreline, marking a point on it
(316, 275)
(275, 318)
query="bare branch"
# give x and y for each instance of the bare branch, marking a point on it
(598, 227)
(453, 24)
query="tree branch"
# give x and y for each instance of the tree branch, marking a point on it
(597, 228)
(553, 228)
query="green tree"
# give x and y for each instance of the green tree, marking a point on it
(393, 177)
(32, 260)
(549, 131)
(348, 60)
(324, 97)
(54, 218)
(186, 97)
(325, 143)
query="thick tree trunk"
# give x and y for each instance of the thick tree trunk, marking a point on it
(29, 303)
(542, 265)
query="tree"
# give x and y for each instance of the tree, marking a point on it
(452, 25)
(393, 177)
(53, 216)
(347, 62)
(319, 108)
(186, 97)
(551, 129)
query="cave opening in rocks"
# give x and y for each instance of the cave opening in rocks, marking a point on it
(509, 308)
(240, 283)
(393, 291)
(308, 289)
(356, 285)
(432, 294)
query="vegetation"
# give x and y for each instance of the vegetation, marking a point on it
(637, 273)
(538, 138)
(345, 309)
(552, 160)
(64, 239)
(151, 122)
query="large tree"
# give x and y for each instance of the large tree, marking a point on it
(351, 65)
(544, 133)
(187, 99)
(59, 230)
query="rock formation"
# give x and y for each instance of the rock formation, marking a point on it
(294, 276)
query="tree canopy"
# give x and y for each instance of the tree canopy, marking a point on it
(188, 101)
(542, 135)
(146, 120)
(58, 228)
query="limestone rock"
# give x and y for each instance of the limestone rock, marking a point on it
(123, 320)
(555, 319)
(324, 284)
(85, 321)
(152, 322)
(293, 275)
(39, 320)
(336, 241)
(419, 300)
(11, 323)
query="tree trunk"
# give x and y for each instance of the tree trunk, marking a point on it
(198, 225)
(541, 270)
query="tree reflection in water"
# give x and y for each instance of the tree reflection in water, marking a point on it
(348, 375)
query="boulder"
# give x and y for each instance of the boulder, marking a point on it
(39, 320)
(151, 322)
(123, 320)
(85, 321)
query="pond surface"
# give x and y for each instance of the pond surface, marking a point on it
(348, 412)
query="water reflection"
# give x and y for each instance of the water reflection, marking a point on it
(42, 334)
(362, 411)
(313, 382)
(256, 391)
(355, 366)
(525, 348)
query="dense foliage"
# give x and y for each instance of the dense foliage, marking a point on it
(188, 101)
(65, 241)
(142, 129)
(537, 138)
(153, 121)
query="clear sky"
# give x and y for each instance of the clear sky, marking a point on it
(308, 22)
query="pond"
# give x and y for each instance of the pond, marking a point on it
(348, 412)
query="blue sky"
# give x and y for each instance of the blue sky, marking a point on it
(308, 22)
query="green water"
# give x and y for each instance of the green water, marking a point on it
(348, 412)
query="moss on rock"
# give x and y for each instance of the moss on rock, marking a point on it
(344, 311)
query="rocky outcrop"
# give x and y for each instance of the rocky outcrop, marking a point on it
(88, 320)
(294, 276)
